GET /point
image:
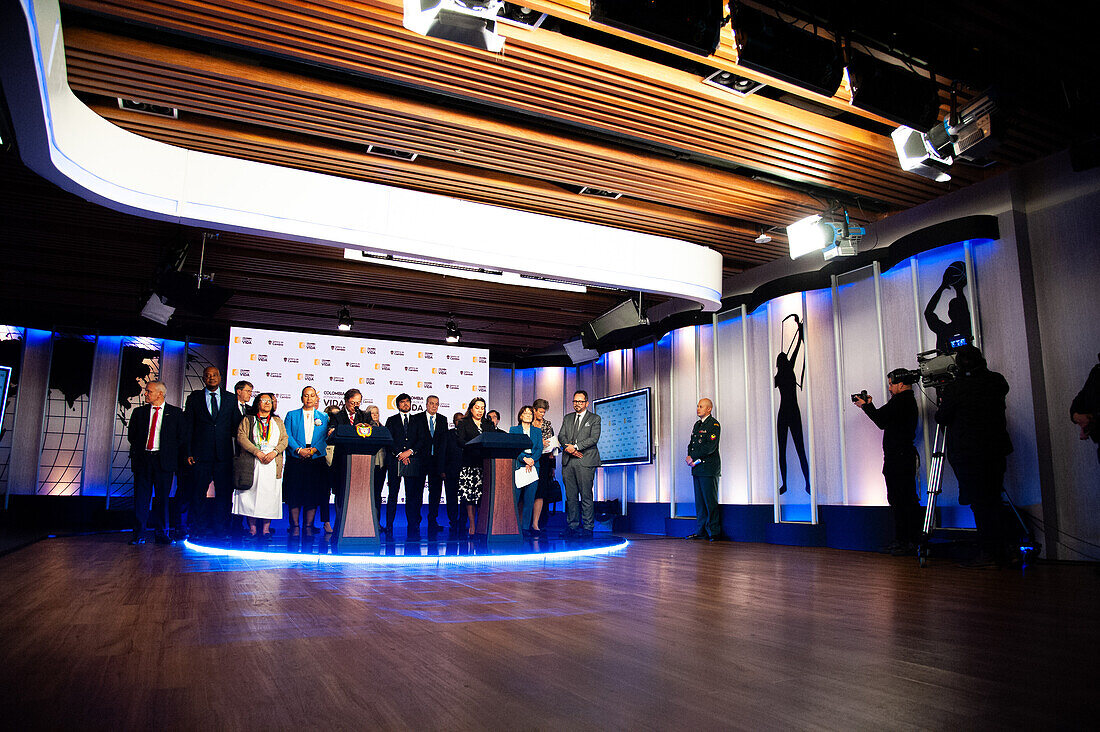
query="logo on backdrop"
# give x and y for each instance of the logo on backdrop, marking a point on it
(409, 366)
(957, 327)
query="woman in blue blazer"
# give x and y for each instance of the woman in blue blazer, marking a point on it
(528, 462)
(306, 482)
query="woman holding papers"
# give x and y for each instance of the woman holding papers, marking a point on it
(546, 492)
(526, 466)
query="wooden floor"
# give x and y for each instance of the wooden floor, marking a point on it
(95, 634)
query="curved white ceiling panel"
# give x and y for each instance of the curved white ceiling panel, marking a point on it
(65, 141)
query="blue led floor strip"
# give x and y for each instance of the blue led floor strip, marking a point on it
(417, 560)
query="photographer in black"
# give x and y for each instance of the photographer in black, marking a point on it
(898, 421)
(972, 409)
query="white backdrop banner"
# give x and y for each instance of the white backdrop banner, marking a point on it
(284, 363)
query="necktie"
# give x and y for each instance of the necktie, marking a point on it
(213, 405)
(152, 429)
(405, 422)
(431, 429)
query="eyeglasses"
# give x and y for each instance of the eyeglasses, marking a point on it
(580, 401)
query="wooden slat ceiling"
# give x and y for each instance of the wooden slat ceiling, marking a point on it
(310, 84)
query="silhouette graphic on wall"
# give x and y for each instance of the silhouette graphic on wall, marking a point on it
(958, 310)
(789, 418)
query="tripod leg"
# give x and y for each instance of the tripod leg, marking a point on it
(935, 474)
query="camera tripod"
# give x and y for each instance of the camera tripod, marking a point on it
(1027, 549)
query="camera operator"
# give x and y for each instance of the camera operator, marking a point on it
(1085, 408)
(972, 408)
(898, 421)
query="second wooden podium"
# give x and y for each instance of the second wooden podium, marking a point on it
(496, 516)
(357, 524)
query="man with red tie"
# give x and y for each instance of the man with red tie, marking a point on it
(157, 435)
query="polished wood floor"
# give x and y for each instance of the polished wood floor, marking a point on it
(95, 634)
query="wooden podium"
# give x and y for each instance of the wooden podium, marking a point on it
(357, 524)
(497, 518)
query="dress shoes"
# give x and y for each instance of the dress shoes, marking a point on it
(164, 539)
(137, 541)
(695, 537)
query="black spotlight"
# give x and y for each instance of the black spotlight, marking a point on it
(453, 336)
(892, 91)
(343, 320)
(777, 47)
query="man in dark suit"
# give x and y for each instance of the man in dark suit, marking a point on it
(351, 414)
(578, 436)
(213, 415)
(411, 442)
(434, 458)
(706, 466)
(452, 464)
(157, 436)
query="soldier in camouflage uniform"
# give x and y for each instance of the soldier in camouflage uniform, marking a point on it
(706, 466)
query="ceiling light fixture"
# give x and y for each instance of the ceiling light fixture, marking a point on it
(344, 320)
(469, 22)
(453, 334)
(831, 238)
(763, 238)
(728, 81)
(482, 274)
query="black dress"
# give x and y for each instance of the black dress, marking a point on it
(469, 475)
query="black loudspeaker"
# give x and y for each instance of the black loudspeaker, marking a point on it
(693, 25)
(893, 92)
(777, 47)
(622, 316)
(182, 292)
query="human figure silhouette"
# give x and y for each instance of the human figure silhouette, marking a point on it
(958, 309)
(789, 418)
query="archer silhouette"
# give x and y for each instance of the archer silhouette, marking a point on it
(789, 418)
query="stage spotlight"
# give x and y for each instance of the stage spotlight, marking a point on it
(778, 47)
(469, 22)
(343, 320)
(917, 155)
(894, 92)
(833, 238)
(807, 235)
(453, 335)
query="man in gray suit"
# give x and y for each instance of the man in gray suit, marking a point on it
(578, 436)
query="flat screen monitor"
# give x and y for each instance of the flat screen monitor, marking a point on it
(625, 437)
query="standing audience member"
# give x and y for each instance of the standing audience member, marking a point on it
(452, 466)
(307, 483)
(410, 443)
(435, 456)
(547, 464)
(898, 421)
(243, 390)
(579, 434)
(972, 408)
(473, 423)
(1085, 409)
(259, 468)
(526, 465)
(330, 451)
(213, 416)
(706, 467)
(381, 459)
(157, 436)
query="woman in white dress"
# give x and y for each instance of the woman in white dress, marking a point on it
(259, 480)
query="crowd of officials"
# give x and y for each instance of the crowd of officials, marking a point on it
(258, 462)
